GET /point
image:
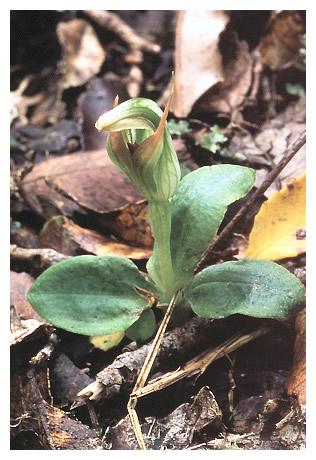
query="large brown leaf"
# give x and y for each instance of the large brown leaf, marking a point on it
(80, 180)
(88, 183)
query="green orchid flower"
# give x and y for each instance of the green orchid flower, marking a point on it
(140, 145)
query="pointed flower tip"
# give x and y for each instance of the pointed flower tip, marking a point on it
(167, 107)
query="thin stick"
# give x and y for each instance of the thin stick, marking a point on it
(288, 155)
(141, 380)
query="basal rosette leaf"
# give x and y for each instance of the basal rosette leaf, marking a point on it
(252, 287)
(90, 295)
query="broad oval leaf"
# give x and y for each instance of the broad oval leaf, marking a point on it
(89, 295)
(251, 287)
(197, 210)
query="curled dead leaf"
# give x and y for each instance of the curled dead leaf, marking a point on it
(237, 66)
(88, 183)
(25, 323)
(213, 68)
(198, 62)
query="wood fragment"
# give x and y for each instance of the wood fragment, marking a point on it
(181, 343)
(42, 258)
(121, 375)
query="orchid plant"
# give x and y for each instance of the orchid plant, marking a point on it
(108, 295)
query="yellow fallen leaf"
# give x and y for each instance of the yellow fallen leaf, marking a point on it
(279, 229)
(106, 342)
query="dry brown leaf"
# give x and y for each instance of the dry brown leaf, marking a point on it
(281, 43)
(30, 413)
(61, 432)
(273, 139)
(198, 62)
(89, 183)
(82, 53)
(84, 180)
(64, 236)
(296, 382)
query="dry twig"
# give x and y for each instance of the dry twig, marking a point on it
(121, 375)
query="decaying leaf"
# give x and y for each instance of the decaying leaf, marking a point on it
(274, 137)
(282, 41)
(82, 54)
(210, 62)
(19, 286)
(296, 383)
(89, 183)
(279, 230)
(96, 100)
(198, 62)
(237, 66)
(59, 432)
(63, 235)
(176, 430)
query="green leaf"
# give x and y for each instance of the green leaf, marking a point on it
(251, 287)
(89, 295)
(143, 328)
(211, 141)
(197, 210)
(178, 127)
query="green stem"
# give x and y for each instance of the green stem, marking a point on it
(160, 265)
